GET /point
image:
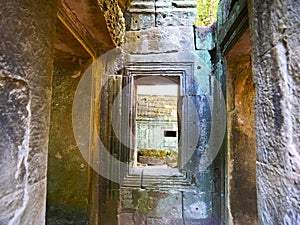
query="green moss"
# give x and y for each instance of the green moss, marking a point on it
(156, 153)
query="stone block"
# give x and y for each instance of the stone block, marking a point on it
(273, 189)
(35, 202)
(126, 199)
(125, 219)
(294, 194)
(164, 203)
(164, 221)
(175, 17)
(196, 205)
(199, 222)
(271, 96)
(204, 181)
(27, 35)
(270, 20)
(205, 37)
(140, 19)
(14, 119)
(11, 201)
(140, 218)
(231, 15)
(156, 40)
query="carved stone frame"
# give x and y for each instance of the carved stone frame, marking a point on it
(181, 71)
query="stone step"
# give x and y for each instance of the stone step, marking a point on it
(151, 181)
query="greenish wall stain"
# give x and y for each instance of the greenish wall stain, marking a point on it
(67, 189)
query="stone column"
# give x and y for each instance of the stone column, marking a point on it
(26, 59)
(275, 62)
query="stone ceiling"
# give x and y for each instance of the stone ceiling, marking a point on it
(82, 30)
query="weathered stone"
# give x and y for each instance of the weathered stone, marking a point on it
(205, 37)
(164, 207)
(241, 134)
(66, 166)
(275, 40)
(163, 221)
(270, 22)
(115, 21)
(269, 107)
(175, 17)
(35, 204)
(11, 202)
(196, 206)
(26, 59)
(14, 119)
(272, 199)
(156, 41)
(125, 219)
(233, 16)
(149, 14)
(161, 37)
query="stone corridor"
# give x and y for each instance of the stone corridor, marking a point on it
(80, 142)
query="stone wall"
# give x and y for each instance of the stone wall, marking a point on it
(156, 114)
(233, 70)
(241, 133)
(275, 64)
(148, 14)
(157, 107)
(162, 207)
(67, 188)
(274, 30)
(161, 33)
(26, 61)
(160, 37)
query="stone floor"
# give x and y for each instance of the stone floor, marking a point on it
(157, 170)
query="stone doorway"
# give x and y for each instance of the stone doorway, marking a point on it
(241, 133)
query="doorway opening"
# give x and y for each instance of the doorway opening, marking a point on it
(241, 133)
(156, 124)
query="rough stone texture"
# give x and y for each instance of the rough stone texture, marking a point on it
(115, 21)
(25, 76)
(205, 37)
(229, 13)
(67, 189)
(161, 13)
(241, 134)
(88, 15)
(157, 41)
(275, 64)
(14, 102)
(140, 206)
(26, 54)
(156, 114)
(147, 46)
(108, 195)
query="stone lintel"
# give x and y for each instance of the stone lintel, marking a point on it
(234, 26)
(184, 4)
(70, 21)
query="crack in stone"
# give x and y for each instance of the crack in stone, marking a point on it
(23, 159)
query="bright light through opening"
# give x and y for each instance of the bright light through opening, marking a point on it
(157, 125)
(157, 90)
